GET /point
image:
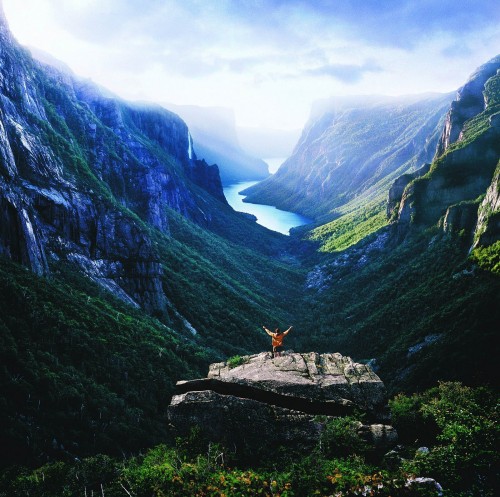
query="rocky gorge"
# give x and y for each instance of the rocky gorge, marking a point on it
(124, 270)
(353, 147)
(82, 174)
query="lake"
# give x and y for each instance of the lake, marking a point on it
(267, 215)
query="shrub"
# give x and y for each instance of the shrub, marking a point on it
(465, 459)
(411, 424)
(235, 361)
(340, 438)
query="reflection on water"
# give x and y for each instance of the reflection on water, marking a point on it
(267, 215)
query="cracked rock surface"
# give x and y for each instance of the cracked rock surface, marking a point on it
(284, 400)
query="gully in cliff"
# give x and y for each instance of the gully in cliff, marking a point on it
(277, 338)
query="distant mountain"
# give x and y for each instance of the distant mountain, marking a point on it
(354, 146)
(215, 140)
(101, 184)
(74, 158)
(268, 142)
(417, 294)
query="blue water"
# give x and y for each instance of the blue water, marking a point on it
(267, 215)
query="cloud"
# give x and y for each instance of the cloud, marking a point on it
(402, 23)
(345, 73)
(275, 22)
(202, 37)
(257, 54)
(96, 21)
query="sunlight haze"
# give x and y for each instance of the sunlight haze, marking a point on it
(267, 60)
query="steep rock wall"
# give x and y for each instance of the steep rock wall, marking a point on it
(352, 146)
(469, 102)
(487, 229)
(466, 158)
(83, 174)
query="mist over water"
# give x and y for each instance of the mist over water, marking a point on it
(267, 215)
(274, 163)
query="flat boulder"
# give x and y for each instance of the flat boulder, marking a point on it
(260, 401)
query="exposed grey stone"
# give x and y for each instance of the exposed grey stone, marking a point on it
(379, 435)
(495, 120)
(424, 482)
(469, 102)
(398, 187)
(428, 340)
(462, 173)
(460, 217)
(487, 229)
(423, 450)
(240, 405)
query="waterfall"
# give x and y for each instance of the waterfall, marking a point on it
(190, 146)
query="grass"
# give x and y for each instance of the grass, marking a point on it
(349, 229)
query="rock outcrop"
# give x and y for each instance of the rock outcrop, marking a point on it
(398, 187)
(469, 102)
(487, 230)
(460, 218)
(285, 401)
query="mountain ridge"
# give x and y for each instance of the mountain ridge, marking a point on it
(349, 148)
(121, 265)
(466, 158)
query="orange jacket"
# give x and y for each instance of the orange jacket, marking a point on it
(277, 340)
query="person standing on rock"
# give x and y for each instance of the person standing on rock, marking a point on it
(277, 338)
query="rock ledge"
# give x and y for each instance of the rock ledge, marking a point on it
(281, 401)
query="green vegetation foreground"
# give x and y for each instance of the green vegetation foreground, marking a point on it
(450, 434)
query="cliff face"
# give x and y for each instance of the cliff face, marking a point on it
(469, 102)
(398, 187)
(83, 174)
(464, 166)
(487, 229)
(351, 146)
(215, 140)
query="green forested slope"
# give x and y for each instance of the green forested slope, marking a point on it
(456, 423)
(420, 296)
(81, 367)
(424, 293)
(103, 198)
(227, 291)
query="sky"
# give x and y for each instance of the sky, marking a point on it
(268, 60)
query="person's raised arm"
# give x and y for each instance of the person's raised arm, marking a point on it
(269, 332)
(287, 331)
